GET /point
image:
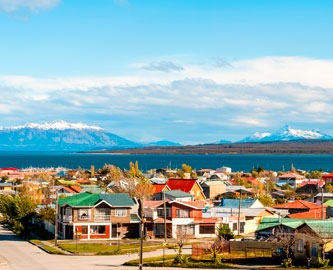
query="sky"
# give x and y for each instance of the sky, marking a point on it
(187, 71)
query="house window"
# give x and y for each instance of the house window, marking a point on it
(300, 245)
(119, 212)
(234, 226)
(160, 212)
(183, 230)
(102, 214)
(182, 213)
(84, 214)
(100, 229)
(207, 229)
(84, 229)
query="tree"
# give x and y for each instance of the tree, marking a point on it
(224, 232)
(46, 213)
(266, 200)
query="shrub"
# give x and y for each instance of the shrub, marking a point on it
(287, 262)
(323, 263)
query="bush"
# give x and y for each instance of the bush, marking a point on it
(287, 262)
(323, 263)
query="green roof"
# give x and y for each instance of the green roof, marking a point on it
(268, 222)
(178, 193)
(323, 228)
(328, 203)
(89, 199)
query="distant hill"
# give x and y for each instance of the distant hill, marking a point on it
(162, 143)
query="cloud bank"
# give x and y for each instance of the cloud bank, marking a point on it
(185, 103)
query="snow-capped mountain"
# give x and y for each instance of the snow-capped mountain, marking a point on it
(59, 136)
(256, 137)
(59, 125)
(286, 133)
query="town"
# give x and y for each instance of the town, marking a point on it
(286, 215)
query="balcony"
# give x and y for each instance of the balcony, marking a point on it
(102, 218)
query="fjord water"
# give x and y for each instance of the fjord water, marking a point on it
(238, 162)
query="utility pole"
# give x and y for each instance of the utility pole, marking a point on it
(239, 210)
(165, 229)
(322, 203)
(56, 221)
(142, 224)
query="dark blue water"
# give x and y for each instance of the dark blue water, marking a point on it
(237, 162)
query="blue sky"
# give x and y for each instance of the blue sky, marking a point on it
(189, 71)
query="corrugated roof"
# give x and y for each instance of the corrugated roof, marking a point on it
(298, 204)
(178, 194)
(234, 203)
(269, 222)
(89, 199)
(185, 185)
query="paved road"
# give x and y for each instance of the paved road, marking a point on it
(16, 254)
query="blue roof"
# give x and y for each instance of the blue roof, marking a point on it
(234, 203)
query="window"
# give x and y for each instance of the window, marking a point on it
(299, 245)
(119, 212)
(102, 214)
(84, 214)
(84, 229)
(207, 229)
(160, 212)
(100, 229)
(185, 230)
(182, 213)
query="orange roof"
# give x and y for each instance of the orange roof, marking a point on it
(77, 189)
(185, 185)
(312, 214)
(329, 175)
(158, 188)
(291, 175)
(298, 204)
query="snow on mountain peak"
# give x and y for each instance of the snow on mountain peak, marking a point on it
(56, 125)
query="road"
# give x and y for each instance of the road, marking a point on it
(17, 254)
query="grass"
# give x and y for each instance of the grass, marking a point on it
(169, 262)
(47, 248)
(106, 249)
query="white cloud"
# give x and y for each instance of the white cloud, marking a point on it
(253, 93)
(32, 5)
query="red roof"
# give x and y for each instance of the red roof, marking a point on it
(9, 169)
(329, 175)
(184, 185)
(298, 204)
(77, 189)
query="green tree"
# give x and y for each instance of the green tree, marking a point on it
(46, 213)
(224, 232)
(266, 200)
(186, 168)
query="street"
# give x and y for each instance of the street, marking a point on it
(17, 254)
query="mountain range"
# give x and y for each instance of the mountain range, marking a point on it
(64, 136)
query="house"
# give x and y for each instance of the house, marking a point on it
(292, 179)
(308, 190)
(303, 209)
(6, 188)
(212, 189)
(328, 178)
(97, 216)
(187, 185)
(158, 188)
(180, 219)
(173, 195)
(308, 238)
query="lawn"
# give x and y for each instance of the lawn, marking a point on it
(107, 248)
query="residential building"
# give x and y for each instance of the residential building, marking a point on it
(97, 216)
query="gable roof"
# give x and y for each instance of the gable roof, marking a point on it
(269, 222)
(195, 204)
(185, 185)
(298, 204)
(160, 187)
(177, 194)
(89, 199)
